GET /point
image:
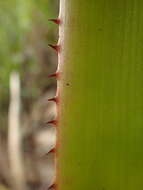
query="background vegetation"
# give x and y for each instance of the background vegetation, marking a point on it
(24, 36)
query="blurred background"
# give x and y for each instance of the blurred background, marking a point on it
(25, 63)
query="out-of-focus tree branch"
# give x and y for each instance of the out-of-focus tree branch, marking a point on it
(14, 135)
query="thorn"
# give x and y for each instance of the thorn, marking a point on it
(52, 187)
(55, 99)
(53, 122)
(55, 47)
(56, 75)
(57, 21)
(52, 151)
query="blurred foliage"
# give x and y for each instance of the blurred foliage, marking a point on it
(24, 26)
(24, 36)
(3, 188)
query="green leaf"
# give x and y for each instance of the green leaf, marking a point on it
(101, 125)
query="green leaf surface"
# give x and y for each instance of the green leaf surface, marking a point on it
(101, 125)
